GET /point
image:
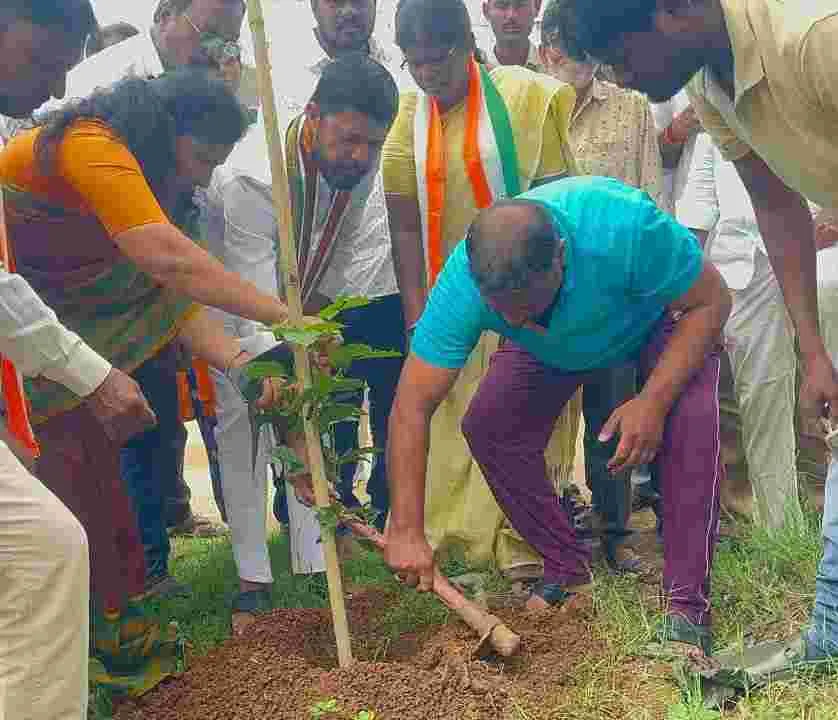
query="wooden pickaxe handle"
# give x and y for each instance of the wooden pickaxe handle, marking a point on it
(493, 633)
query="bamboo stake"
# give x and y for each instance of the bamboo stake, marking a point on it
(290, 277)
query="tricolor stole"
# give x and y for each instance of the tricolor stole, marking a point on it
(489, 153)
(313, 260)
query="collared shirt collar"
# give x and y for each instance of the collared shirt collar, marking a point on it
(598, 92)
(533, 60)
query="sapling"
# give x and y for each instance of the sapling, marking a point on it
(323, 402)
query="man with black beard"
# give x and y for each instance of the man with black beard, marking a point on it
(333, 157)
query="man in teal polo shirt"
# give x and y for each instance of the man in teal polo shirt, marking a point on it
(579, 275)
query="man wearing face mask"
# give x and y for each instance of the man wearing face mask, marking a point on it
(512, 22)
(612, 134)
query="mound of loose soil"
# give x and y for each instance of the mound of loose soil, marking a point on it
(286, 663)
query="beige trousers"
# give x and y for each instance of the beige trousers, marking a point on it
(44, 601)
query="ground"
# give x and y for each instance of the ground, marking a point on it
(585, 662)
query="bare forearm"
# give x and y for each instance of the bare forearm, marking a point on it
(411, 290)
(408, 255)
(205, 338)
(785, 223)
(180, 265)
(407, 459)
(788, 234)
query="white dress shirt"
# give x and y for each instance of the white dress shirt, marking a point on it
(136, 56)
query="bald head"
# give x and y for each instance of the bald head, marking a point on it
(511, 242)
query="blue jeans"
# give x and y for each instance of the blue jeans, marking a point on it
(823, 632)
(150, 461)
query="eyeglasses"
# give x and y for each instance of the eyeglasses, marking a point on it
(434, 63)
(217, 48)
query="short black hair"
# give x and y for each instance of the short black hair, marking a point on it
(447, 22)
(586, 28)
(74, 17)
(356, 82)
(538, 242)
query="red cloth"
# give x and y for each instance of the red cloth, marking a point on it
(81, 466)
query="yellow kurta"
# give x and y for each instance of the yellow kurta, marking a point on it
(460, 508)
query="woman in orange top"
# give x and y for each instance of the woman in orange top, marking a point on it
(99, 209)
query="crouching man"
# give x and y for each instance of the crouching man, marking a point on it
(579, 275)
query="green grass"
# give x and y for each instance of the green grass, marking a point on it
(764, 583)
(763, 587)
(208, 567)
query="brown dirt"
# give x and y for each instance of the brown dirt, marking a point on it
(285, 663)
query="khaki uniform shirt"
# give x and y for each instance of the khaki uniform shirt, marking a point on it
(785, 106)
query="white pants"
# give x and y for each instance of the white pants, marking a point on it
(760, 342)
(44, 601)
(243, 484)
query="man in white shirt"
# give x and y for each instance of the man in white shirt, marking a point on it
(45, 594)
(243, 234)
(185, 32)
